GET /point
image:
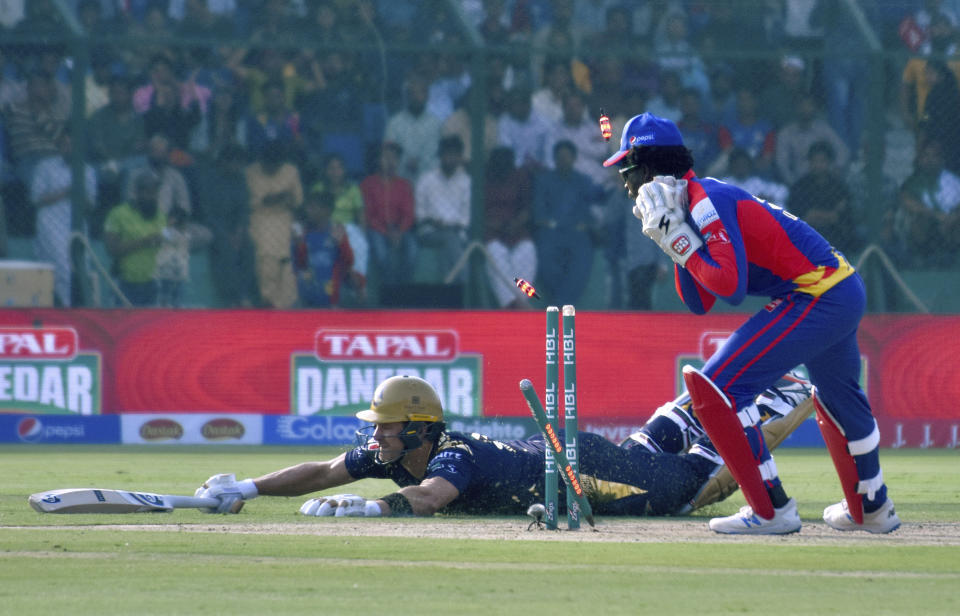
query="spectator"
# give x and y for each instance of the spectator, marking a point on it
(442, 208)
(915, 85)
(34, 125)
(203, 18)
(172, 269)
(389, 212)
(50, 192)
(740, 171)
(526, 133)
(578, 127)
(348, 210)
(614, 70)
(333, 115)
(507, 221)
(563, 226)
(779, 99)
(224, 199)
(460, 122)
(794, 141)
(846, 73)
(274, 21)
(666, 102)
(97, 82)
(450, 82)
(299, 77)
(276, 196)
(560, 37)
(721, 105)
(40, 17)
(928, 216)
(13, 91)
(677, 55)
(189, 97)
(801, 32)
(917, 30)
(699, 135)
(166, 117)
(225, 123)
(547, 102)
(940, 112)
(132, 234)
(634, 264)
(821, 197)
(751, 131)
(116, 140)
(415, 130)
(173, 191)
(321, 253)
(274, 122)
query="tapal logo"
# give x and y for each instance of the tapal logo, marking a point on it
(338, 345)
(47, 343)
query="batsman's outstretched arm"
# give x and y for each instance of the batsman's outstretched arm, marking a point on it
(432, 495)
(305, 478)
(422, 500)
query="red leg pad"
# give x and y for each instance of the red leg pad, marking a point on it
(836, 443)
(722, 425)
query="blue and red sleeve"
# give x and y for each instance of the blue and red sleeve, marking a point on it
(719, 267)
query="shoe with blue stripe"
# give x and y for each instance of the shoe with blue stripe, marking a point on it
(785, 520)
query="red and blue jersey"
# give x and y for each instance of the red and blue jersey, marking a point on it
(751, 247)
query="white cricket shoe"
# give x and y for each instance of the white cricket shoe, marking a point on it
(883, 520)
(785, 520)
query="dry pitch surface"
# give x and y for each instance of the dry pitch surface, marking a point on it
(608, 530)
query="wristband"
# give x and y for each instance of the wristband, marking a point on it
(248, 489)
(399, 505)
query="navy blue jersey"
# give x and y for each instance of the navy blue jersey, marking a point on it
(506, 477)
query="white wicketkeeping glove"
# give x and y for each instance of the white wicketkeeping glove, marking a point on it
(341, 505)
(661, 206)
(232, 493)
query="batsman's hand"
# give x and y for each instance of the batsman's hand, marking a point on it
(230, 492)
(341, 505)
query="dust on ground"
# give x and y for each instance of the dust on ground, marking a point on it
(632, 530)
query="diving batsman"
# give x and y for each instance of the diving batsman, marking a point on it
(667, 467)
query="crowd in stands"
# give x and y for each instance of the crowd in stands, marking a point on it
(320, 152)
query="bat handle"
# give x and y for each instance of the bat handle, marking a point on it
(192, 502)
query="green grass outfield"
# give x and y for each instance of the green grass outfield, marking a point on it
(269, 560)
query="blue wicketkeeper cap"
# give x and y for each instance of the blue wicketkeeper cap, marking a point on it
(645, 129)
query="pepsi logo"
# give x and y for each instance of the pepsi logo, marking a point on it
(30, 429)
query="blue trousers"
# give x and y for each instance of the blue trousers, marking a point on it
(820, 332)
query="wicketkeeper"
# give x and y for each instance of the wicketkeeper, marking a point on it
(727, 244)
(665, 468)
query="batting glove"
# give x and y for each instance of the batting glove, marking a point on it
(341, 505)
(229, 491)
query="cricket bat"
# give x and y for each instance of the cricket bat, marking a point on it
(98, 500)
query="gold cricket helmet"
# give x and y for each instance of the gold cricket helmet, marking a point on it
(403, 399)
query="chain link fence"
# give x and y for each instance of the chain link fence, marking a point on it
(361, 153)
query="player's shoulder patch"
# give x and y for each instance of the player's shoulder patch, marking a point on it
(453, 442)
(704, 213)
